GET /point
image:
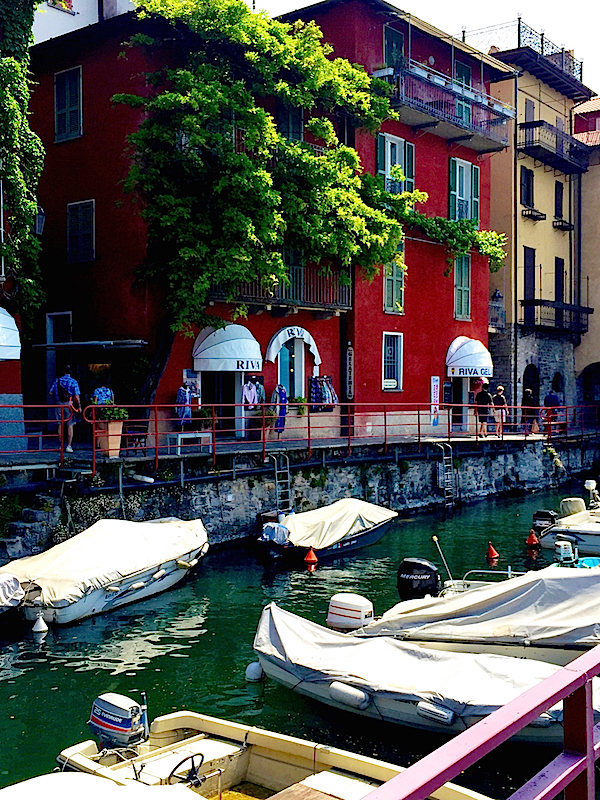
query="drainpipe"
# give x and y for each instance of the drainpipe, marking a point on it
(515, 242)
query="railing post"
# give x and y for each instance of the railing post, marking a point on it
(155, 413)
(419, 426)
(385, 429)
(214, 437)
(308, 432)
(264, 434)
(578, 723)
(349, 440)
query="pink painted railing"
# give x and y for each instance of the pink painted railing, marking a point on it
(571, 771)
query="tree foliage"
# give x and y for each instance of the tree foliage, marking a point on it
(224, 191)
(21, 155)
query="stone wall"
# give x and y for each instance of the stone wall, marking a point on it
(230, 508)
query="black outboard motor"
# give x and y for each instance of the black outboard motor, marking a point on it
(542, 519)
(418, 578)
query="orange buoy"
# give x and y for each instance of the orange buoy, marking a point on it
(492, 552)
(310, 559)
(532, 539)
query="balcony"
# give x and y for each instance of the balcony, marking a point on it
(308, 288)
(426, 99)
(552, 147)
(562, 317)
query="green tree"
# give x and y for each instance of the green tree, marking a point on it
(21, 157)
(223, 189)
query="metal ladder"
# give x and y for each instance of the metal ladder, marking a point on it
(446, 478)
(283, 493)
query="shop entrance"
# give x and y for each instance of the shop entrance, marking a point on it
(219, 389)
(460, 412)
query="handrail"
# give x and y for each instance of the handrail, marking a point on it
(571, 771)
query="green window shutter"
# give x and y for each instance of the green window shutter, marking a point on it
(381, 154)
(475, 193)
(389, 289)
(67, 104)
(409, 167)
(452, 190)
(80, 232)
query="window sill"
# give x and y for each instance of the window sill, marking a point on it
(68, 138)
(463, 319)
(394, 313)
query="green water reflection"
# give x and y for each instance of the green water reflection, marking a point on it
(189, 648)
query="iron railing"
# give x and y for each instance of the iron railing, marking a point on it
(552, 146)
(29, 435)
(308, 287)
(448, 100)
(552, 314)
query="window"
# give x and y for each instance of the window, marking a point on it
(393, 48)
(464, 190)
(290, 121)
(291, 367)
(526, 187)
(392, 151)
(558, 199)
(392, 362)
(67, 104)
(462, 287)
(81, 232)
(393, 285)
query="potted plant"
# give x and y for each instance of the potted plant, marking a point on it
(109, 429)
(300, 405)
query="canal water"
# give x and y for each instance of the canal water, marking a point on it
(189, 648)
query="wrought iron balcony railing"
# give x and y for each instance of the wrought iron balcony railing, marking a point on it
(308, 288)
(552, 147)
(553, 314)
(458, 112)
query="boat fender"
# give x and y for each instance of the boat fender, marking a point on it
(158, 575)
(204, 550)
(136, 586)
(349, 695)
(434, 712)
(113, 589)
(254, 672)
(182, 564)
(193, 562)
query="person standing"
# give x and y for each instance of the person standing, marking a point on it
(66, 395)
(483, 401)
(500, 409)
(528, 414)
(551, 404)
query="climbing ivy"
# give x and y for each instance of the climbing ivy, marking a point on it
(21, 158)
(225, 192)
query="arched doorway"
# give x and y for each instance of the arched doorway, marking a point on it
(287, 348)
(558, 384)
(531, 380)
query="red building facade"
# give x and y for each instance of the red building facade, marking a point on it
(381, 341)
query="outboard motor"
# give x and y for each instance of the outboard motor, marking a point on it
(543, 519)
(119, 721)
(418, 578)
(565, 552)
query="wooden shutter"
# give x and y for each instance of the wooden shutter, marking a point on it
(409, 167)
(558, 200)
(452, 212)
(80, 232)
(381, 154)
(524, 186)
(67, 104)
(474, 193)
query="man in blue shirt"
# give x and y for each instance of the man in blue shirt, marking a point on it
(65, 393)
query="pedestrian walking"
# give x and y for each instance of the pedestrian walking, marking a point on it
(500, 408)
(66, 395)
(529, 413)
(483, 401)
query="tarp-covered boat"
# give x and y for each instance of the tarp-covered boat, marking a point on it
(11, 592)
(112, 563)
(552, 615)
(333, 530)
(390, 680)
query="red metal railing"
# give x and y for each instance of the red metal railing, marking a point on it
(571, 771)
(160, 431)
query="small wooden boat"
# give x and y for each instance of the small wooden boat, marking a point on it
(111, 564)
(443, 691)
(330, 532)
(224, 760)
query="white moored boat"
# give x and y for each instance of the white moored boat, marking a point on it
(111, 564)
(383, 678)
(11, 592)
(216, 758)
(577, 524)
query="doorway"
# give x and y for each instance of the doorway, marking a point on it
(460, 411)
(218, 389)
(531, 380)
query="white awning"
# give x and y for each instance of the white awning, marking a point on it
(229, 349)
(468, 358)
(292, 332)
(10, 341)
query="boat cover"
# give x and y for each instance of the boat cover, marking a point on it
(106, 552)
(326, 526)
(466, 683)
(555, 606)
(11, 593)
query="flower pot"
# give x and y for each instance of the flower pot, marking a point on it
(108, 437)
